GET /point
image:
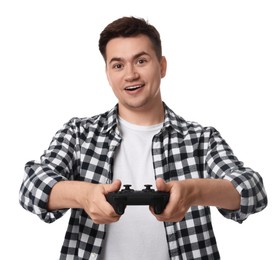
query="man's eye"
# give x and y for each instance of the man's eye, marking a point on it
(117, 66)
(141, 61)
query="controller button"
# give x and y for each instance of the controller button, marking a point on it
(127, 187)
(148, 187)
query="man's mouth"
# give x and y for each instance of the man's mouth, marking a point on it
(134, 87)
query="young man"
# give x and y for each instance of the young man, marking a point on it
(140, 141)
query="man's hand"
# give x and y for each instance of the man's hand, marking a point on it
(193, 192)
(85, 195)
(181, 198)
(96, 205)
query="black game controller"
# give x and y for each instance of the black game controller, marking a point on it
(148, 196)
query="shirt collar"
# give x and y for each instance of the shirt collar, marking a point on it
(171, 120)
(112, 119)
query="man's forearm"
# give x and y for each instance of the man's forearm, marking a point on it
(196, 192)
(67, 194)
(88, 196)
(216, 192)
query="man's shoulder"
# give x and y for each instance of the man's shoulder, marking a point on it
(187, 127)
(101, 122)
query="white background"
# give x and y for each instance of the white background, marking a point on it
(223, 70)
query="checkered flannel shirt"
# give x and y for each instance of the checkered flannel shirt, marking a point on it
(84, 150)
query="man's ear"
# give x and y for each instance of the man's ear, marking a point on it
(163, 64)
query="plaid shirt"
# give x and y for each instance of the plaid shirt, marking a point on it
(84, 150)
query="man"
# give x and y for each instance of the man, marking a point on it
(140, 141)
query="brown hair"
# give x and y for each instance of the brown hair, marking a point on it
(129, 27)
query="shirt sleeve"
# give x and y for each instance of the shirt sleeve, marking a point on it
(58, 163)
(222, 163)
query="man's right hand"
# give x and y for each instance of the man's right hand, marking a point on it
(88, 196)
(96, 205)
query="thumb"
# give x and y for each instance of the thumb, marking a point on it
(113, 187)
(162, 185)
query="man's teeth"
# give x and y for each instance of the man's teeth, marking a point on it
(133, 87)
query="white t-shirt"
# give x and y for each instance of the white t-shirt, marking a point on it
(138, 234)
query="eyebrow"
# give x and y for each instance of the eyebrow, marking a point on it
(134, 57)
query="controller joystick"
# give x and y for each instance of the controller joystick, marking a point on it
(127, 186)
(148, 196)
(148, 187)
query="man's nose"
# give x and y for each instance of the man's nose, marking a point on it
(131, 73)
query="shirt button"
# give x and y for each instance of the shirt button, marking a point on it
(93, 256)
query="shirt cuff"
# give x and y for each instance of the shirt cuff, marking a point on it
(247, 183)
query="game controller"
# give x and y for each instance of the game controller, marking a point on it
(148, 196)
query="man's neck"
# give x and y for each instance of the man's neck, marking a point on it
(143, 116)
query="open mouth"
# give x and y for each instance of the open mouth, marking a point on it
(134, 88)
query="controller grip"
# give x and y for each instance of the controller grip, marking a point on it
(117, 203)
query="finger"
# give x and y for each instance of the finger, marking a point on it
(166, 216)
(101, 206)
(113, 187)
(104, 219)
(104, 213)
(107, 208)
(107, 188)
(162, 185)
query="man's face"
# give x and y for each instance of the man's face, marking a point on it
(134, 72)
